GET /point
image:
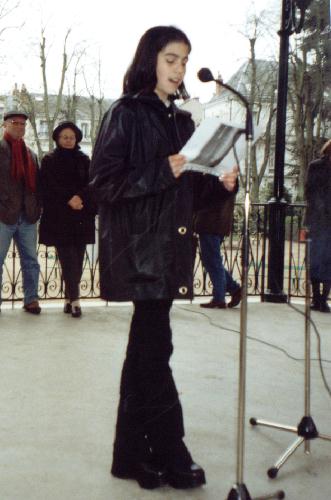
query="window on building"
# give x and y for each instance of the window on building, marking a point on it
(43, 128)
(85, 130)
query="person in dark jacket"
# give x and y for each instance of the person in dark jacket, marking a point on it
(318, 220)
(19, 204)
(67, 221)
(145, 216)
(212, 224)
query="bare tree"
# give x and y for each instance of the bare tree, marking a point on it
(51, 117)
(260, 92)
(51, 106)
(72, 97)
(96, 103)
(6, 8)
(28, 104)
(308, 91)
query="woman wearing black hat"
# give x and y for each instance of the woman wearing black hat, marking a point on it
(67, 221)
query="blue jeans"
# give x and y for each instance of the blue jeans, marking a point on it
(210, 246)
(25, 237)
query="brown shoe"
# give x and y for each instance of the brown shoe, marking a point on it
(235, 298)
(213, 304)
(33, 307)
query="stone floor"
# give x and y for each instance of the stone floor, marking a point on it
(59, 385)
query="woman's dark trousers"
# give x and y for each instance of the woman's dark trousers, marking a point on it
(149, 412)
(71, 258)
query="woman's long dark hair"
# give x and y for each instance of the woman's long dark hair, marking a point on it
(141, 74)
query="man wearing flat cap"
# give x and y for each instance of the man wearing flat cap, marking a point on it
(19, 204)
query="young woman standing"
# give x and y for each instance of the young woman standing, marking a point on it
(146, 251)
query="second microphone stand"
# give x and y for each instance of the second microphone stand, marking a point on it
(239, 490)
(306, 429)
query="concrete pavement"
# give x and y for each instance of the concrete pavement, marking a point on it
(59, 387)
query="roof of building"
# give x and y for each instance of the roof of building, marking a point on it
(83, 105)
(266, 78)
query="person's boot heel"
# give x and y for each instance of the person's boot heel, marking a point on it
(188, 477)
(150, 477)
(146, 474)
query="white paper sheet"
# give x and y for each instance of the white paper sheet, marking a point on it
(215, 147)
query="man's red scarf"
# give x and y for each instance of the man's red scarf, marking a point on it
(22, 165)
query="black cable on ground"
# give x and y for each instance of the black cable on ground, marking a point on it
(274, 346)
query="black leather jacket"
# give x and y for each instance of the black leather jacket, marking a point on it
(145, 214)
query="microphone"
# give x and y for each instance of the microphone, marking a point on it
(205, 75)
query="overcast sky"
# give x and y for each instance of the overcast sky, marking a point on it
(112, 30)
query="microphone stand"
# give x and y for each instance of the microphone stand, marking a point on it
(306, 429)
(239, 490)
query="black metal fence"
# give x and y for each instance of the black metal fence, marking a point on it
(51, 285)
(294, 261)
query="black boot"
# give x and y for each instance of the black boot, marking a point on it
(134, 460)
(316, 303)
(132, 454)
(182, 471)
(324, 307)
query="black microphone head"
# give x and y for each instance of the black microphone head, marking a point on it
(205, 75)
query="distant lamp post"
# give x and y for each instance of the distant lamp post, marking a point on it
(293, 16)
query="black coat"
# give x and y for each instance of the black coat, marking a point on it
(318, 195)
(145, 214)
(63, 174)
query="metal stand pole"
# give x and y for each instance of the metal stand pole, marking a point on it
(306, 429)
(290, 23)
(239, 490)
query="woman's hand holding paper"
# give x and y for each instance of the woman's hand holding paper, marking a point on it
(177, 163)
(229, 178)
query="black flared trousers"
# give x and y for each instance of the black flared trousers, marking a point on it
(149, 406)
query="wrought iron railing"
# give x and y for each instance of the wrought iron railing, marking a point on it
(51, 284)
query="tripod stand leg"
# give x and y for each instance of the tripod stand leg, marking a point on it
(266, 423)
(273, 471)
(324, 436)
(278, 494)
(240, 492)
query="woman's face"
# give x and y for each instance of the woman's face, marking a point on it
(170, 68)
(67, 138)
